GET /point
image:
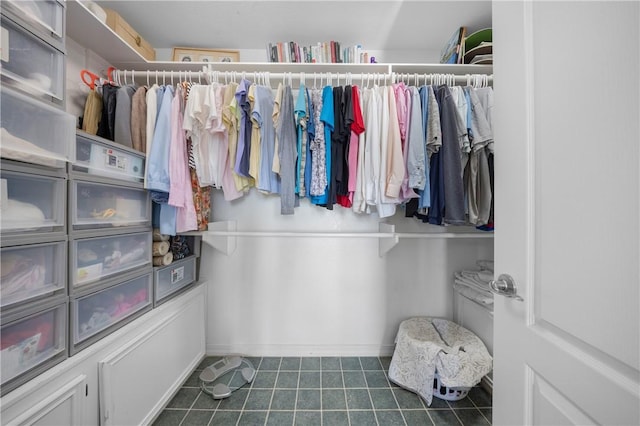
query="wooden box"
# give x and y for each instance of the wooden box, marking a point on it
(128, 34)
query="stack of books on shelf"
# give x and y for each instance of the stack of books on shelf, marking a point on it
(451, 52)
(475, 48)
(321, 52)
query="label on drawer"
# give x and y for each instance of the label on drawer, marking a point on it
(115, 161)
(177, 275)
(4, 39)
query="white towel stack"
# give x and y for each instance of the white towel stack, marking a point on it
(475, 284)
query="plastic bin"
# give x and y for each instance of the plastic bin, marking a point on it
(99, 311)
(99, 156)
(102, 205)
(33, 342)
(31, 203)
(96, 258)
(32, 271)
(30, 63)
(46, 14)
(34, 132)
(171, 278)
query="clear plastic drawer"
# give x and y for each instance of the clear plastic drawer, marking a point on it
(34, 132)
(97, 205)
(32, 340)
(32, 271)
(32, 64)
(169, 279)
(31, 203)
(47, 14)
(101, 257)
(103, 158)
(100, 310)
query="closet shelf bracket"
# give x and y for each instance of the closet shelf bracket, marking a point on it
(385, 244)
(220, 236)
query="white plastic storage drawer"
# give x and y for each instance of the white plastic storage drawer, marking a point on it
(32, 203)
(34, 132)
(47, 14)
(32, 340)
(32, 64)
(32, 271)
(101, 257)
(98, 311)
(171, 278)
(98, 205)
(101, 157)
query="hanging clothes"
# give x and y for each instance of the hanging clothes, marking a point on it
(262, 114)
(122, 123)
(301, 117)
(92, 112)
(372, 149)
(286, 130)
(139, 119)
(356, 128)
(106, 127)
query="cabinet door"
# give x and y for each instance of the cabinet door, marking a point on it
(63, 406)
(137, 379)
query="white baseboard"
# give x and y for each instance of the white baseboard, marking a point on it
(300, 350)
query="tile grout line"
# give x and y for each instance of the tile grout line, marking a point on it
(248, 393)
(273, 392)
(386, 375)
(478, 408)
(344, 391)
(373, 408)
(191, 406)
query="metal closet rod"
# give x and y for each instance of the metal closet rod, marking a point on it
(123, 76)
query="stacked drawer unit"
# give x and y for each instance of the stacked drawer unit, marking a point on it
(110, 241)
(37, 141)
(171, 280)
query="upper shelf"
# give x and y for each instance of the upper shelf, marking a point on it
(86, 29)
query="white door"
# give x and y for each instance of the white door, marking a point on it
(567, 212)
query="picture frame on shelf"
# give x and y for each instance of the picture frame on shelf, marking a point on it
(190, 54)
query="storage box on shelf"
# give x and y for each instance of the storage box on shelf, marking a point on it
(103, 203)
(32, 340)
(171, 280)
(32, 202)
(31, 63)
(110, 241)
(35, 132)
(130, 35)
(95, 315)
(95, 258)
(98, 156)
(33, 271)
(46, 15)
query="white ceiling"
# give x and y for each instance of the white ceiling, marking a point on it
(381, 25)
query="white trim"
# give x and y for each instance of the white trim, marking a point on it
(299, 350)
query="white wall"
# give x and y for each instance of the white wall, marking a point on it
(323, 296)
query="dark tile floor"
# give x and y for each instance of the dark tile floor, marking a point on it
(333, 391)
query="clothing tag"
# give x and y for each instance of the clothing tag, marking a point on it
(4, 39)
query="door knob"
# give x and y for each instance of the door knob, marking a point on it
(505, 286)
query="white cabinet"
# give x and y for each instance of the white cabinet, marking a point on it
(119, 380)
(63, 407)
